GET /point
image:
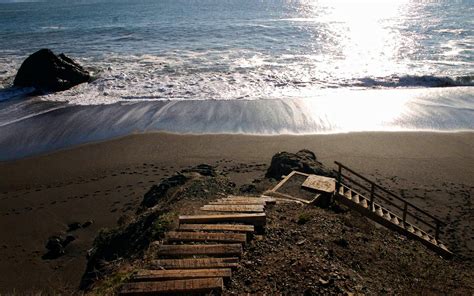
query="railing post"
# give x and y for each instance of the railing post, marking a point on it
(339, 177)
(437, 231)
(372, 195)
(405, 214)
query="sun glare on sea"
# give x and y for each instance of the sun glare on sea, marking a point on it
(364, 41)
(364, 45)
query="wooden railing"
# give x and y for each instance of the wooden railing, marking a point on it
(377, 192)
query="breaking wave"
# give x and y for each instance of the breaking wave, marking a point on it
(417, 81)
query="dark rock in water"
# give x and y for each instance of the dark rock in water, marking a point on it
(153, 195)
(203, 169)
(48, 72)
(303, 161)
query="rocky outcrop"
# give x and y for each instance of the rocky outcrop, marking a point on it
(303, 161)
(157, 192)
(202, 169)
(49, 72)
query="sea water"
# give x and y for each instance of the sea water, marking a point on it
(238, 66)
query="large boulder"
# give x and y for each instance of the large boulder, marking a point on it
(303, 161)
(48, 72)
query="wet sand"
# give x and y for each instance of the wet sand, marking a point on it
(41, 195)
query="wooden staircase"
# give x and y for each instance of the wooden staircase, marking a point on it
(388, 209)
(199, 256)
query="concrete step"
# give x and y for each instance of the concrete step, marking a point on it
(195, 263)
(217, 227)
(205, 285)
(180, 274)
(225, 250)
(179, 236)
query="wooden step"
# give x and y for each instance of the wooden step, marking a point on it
(237, 202)
(257, 219)
(206, 285)
(180, 274)
(234, 208)
(267, 200)
(217, 227)
(388, 219)
(174, 236)
(210, 250)
(195, 263)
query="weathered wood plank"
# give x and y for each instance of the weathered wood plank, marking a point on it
(266, 199)
(258, 219)
(180, 274)
(289, 197)
(283, 181)
(210, 250)
(173, 236)
(320, 183)
(195, 263)
(237, 202)
(234, 208)
(217, 227)
(205, 285)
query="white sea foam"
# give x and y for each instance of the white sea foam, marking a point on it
(58, 125)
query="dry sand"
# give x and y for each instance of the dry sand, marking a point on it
(40, 196)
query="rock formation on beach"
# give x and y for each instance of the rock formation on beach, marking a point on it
(303, 161)
(49, 72)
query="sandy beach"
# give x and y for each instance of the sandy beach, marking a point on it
(100, 182)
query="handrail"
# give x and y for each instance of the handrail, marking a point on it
(375, 194)
(390, 193)
(438, 223)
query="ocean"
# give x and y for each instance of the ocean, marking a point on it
(238, 66)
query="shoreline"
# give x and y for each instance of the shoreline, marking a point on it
(45, 126)
(106, 180)
(159, 132)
